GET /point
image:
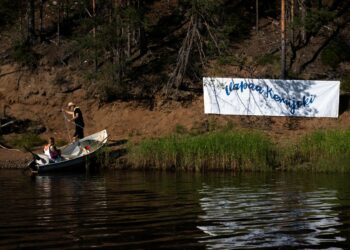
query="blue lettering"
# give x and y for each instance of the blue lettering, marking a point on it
(259, 89)
(277, 98)
(228, 92)
(269, 92)
(243, 86)
(231, 86)
(292, 104)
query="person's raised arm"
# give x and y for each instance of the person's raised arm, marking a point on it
(68, 112)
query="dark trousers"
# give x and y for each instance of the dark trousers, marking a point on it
(79, 132)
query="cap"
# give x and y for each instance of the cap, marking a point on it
(70, 104)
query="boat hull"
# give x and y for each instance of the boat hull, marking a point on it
(75, 156)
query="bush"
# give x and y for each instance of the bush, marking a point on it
(345, 83)
(336, 52)
(24, 55)
(268, 59)
(322, 151)
(27, 141)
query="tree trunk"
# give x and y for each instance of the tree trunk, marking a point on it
(257, 14)
(58, 22)
(94, 32)
(41, 10)
(142, 32)
(303, 20)
(283, 40)
(31, 21)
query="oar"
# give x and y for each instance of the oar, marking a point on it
(35, 156)
(8, 123)
(71, 120)
(65, 123)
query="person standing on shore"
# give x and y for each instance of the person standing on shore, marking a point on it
(77, 118)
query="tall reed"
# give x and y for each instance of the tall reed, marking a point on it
(321, 151)
(235, 150)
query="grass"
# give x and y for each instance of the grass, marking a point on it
(319, 151)
(234, 150)
(103, 157)
(323, 151)
(27, 140)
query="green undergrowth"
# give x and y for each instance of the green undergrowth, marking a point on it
(319, 151)
(27, 140)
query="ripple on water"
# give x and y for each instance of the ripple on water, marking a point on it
(159, 211)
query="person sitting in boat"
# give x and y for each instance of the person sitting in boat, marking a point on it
(77, 118)
(52, 151)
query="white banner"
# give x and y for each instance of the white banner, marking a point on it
(240, 96)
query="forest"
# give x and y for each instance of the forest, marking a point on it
(137, 49)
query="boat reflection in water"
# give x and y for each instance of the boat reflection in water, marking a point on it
(161, 210)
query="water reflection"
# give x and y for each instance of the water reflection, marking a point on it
(135, 210)
(274, 214)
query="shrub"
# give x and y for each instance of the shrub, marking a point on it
(323, 151)
(345, 83)
(336, 52)
(268, 59)
(27, 141)
(180, 129)
(24, 55)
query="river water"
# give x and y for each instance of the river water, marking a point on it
(154, 210)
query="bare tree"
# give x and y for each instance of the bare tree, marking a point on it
(41, 14)
(303, 19)
(31, 21)
(257, 15)
(193, 42)
(94, 32)
(283, 40)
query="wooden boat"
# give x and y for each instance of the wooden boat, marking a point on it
(74, 156)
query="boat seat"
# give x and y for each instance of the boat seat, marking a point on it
(76, 151)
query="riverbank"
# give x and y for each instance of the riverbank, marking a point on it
(13, 159)
(187, 139)
(226, 149)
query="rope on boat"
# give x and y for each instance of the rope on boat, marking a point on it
(66, 124)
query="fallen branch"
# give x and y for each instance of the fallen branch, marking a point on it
(12, 72)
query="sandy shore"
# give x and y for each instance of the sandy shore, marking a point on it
(13, 159)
